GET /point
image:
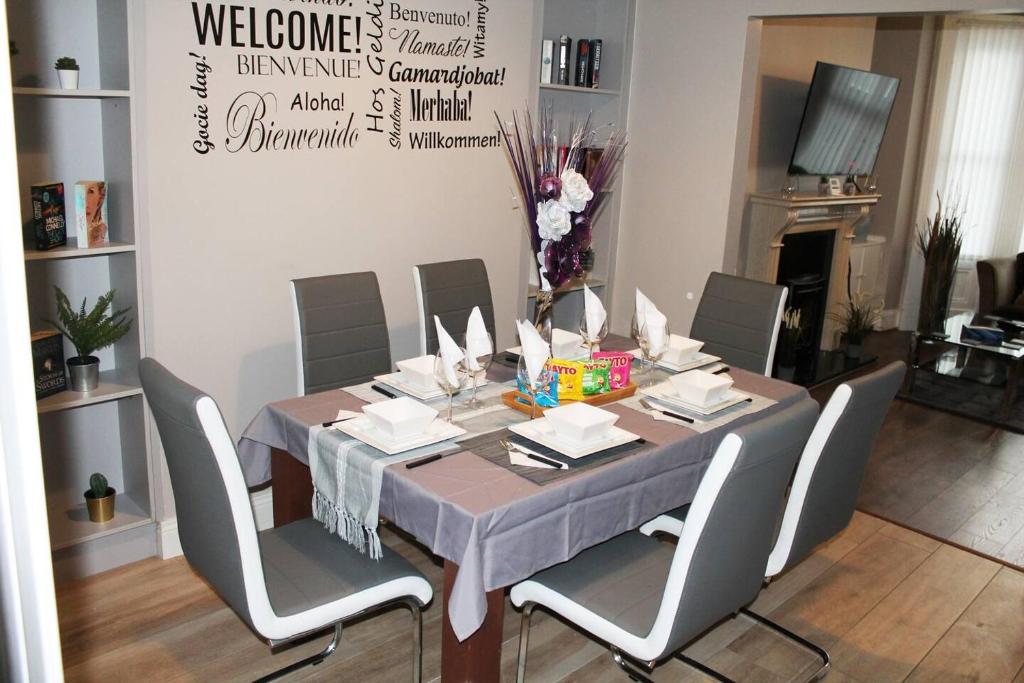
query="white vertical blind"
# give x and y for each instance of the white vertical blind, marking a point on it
(977, 137)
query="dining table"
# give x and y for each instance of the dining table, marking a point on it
(494, 524)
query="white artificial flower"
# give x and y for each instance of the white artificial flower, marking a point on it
(553, 220)
(575, 191)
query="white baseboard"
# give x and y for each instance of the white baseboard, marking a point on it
(167, 542)
(169, 545)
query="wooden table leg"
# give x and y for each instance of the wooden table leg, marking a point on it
(293, 488)
(477, 659)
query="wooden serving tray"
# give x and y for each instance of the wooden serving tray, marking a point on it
(509, 398)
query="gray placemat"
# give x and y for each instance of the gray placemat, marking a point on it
(487, 447)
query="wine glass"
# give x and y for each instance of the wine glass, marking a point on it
(634, 334)
(651, 331)
(532, 388)
(442, 380)
(791, 185)
(477, 367)
(588, 341)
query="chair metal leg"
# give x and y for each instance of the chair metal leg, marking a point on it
(624, 664)
(308, 661)
(703, 668)
(783, 631)
(417, 639)
(524, 640)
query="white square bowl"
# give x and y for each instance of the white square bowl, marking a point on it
(419, 371)
(700, 388)
(681, 349)
(400, 418)
(580, 422)
(565, 344)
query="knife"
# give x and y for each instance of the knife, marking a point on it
(334, 422)
(381, 390)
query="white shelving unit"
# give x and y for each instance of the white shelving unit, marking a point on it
(611, 21)
(67, 136)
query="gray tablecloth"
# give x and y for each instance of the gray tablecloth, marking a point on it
(498, 527)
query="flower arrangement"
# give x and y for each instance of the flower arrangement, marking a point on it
(558, 202)
(858, 318)
(939, 241)
(791, 333)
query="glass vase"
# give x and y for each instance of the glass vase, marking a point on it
(542, 316)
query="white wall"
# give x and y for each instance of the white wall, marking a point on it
(227, 231)
(691, 104)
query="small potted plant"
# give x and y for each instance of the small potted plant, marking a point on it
(99, 499)
(89, 332)
(789, 338)
(857, 318)
(67, 72)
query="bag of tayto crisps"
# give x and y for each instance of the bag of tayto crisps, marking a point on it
(621, 363)
(579, 379)
(596, 377)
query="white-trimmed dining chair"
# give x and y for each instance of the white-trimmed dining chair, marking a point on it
(738, 319)
(450, 290)
(341, 332)
(824, 491)
(647, 600)
(285, 583)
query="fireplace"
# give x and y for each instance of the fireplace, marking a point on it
(803, 242)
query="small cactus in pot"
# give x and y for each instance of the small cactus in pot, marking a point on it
(100, 499)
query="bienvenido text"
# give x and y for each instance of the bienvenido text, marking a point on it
(201, 144)
(275, 29)
(253, 64)
(437, 107)
(251, 127)
(409, 42)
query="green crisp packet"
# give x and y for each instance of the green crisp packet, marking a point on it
(596, 377)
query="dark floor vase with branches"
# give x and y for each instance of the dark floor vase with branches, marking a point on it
(939, 242)
(89, 332)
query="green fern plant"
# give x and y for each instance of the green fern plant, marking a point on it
(93, 330)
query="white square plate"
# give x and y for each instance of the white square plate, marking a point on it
(664, 393)
(699, 361)
(541, 431)
(395, 380)
(361, 428)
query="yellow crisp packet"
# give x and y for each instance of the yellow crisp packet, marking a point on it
(570, 378)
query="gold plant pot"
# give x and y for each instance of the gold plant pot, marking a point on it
(101, 509)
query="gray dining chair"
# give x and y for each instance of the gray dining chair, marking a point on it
(824, 491)
(450, 290)
(341, 332)
(738, 320)
(284, 583)
(647, 600)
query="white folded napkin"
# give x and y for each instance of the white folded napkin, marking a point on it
(594, 311)
(648, 314)
(451, 354)
(520, 459)
(478, 342)
(535, 350)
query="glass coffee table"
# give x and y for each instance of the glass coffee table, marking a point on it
(972, 360)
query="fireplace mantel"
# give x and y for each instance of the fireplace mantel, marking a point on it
(773, 216)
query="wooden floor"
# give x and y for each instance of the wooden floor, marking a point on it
(954, 478)
(889, 604)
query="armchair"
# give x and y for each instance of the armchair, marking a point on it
(1000, 284)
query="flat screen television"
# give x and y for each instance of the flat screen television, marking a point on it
(844, 121)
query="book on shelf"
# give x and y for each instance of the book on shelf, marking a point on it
(594, 75)
(48, 362)
(48, 216)
(582, 62)
(547, 53)
(564, 59)
(90, 213)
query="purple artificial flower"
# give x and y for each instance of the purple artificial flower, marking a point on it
(550, 187)
(581, 231)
